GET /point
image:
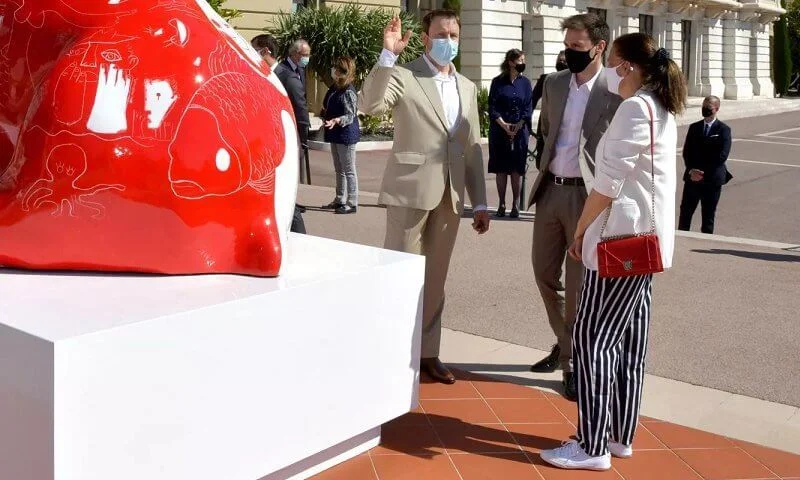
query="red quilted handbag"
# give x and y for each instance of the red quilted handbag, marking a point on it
(636, 254)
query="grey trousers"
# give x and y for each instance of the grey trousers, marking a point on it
(344, 162)
(557, 212)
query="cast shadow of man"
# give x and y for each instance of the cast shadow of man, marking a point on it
(427, 435)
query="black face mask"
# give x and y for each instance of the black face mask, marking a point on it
(520, 67)
(561, 66)
(707, 112)
(577, 61)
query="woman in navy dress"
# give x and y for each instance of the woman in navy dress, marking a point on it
(510, 111)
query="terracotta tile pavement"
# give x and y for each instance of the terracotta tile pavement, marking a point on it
(483, 429)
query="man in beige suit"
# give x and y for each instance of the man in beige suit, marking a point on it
(436, 156)
(576, 110)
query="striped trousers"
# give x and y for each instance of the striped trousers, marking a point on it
(608, 347)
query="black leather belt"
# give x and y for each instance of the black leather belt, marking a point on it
(570, 182)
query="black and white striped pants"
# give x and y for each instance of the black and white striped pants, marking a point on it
(608, 347)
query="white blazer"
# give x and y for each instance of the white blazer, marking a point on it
(622, 172)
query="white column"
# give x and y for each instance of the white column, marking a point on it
(760, 61)
(736, 54)
(672, 37)
(489, 29)
(543, 39)
(623, 20)
(711, 60)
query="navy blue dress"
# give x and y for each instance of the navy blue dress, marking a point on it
(512, 102)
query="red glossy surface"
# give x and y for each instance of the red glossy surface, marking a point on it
(138, 135)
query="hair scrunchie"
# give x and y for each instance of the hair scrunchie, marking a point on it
(661, 57)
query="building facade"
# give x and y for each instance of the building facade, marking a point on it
(722, 46)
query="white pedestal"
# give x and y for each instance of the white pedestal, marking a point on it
(207, 377)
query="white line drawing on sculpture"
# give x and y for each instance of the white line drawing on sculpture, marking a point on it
(159, 98)
(109, 112)
(245, 51)
(181, 38)
(65, 166)
(71, 78)
(31, 12)
(220, 125)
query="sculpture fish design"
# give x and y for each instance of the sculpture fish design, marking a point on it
(144, 136)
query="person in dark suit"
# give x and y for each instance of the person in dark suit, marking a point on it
(708, 143)
(561, 64)
(292, 73)
(292, 76)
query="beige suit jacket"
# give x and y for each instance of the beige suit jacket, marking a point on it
(599, 111)
(424, 154)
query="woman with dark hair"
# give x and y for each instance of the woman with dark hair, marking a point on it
(343, 133)
(633, 192)
(510, 111)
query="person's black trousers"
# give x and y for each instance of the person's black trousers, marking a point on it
(298, 225)
(708, 198)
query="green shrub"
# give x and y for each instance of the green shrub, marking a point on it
(380, 125)
(350, 30)
(782, 56)
(483, 110)
(227, 13)
(793, 24)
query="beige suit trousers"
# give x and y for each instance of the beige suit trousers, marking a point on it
(431, 233)
(557, 212)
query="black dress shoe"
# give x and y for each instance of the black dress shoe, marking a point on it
(501, 211)
(332, 206)
(514, 213)
(437, 371)
(549, 363)
(570, 387)
(345, 209)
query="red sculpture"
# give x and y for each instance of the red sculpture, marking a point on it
(140, 135)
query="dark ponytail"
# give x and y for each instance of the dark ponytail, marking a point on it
(661, 74)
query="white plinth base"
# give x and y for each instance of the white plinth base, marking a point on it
(330, 457)
(208, 377)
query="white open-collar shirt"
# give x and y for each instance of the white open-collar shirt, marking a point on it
(565, 161)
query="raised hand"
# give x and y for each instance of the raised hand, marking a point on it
(393, 38)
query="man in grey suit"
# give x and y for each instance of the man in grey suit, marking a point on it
(292, 74)
(576, 110)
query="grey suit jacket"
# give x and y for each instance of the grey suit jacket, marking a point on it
(599, 111)
(297, 92)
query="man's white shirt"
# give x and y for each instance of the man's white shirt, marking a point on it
(565, 161)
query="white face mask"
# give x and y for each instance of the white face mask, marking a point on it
(613, 79)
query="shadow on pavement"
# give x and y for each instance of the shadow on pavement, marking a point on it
(494, 372)
(770, 257)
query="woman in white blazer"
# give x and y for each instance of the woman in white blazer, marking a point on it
(610, 335)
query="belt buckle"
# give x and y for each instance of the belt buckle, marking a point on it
(558, 180)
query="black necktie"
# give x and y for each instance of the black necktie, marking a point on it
(707, 128)
(302, 76)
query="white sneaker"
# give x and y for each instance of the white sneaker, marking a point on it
(570, 455)
(620, 450)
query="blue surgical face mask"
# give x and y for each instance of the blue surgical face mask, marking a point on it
(304, 61)
(443, 50)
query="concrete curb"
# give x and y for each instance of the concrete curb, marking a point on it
(364, 146)
(747, 109)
